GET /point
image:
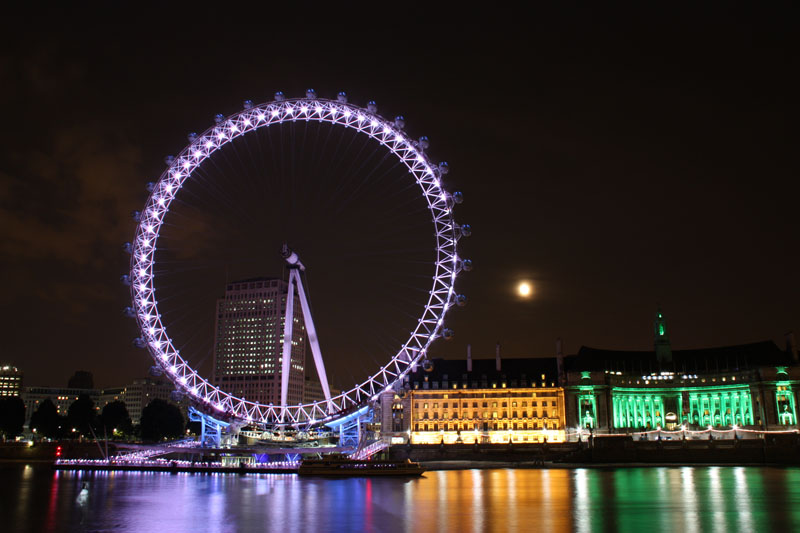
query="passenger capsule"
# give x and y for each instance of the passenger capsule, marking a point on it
(192, 137)
(466, 230)
(127, 247)
(139, 342)
(448, 334)
(156, 371)
(399, 122)
(444, 168)
(458, 197)
(311, 94)
(424, 142)
(150, 186)
(125, 279)
(461, 300)
(219, 118)
(372, 107)
(136, 215)
(427, 365)
(129, 312)
(279, 96)
(342, 97)
(247, 104)
(168, 160)
(466, 265)
(176, 396)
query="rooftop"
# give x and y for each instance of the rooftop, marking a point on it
(701, 360)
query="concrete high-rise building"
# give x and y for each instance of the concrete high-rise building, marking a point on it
(248, 342)
(10, 381)
(313, 391)
(142, 391)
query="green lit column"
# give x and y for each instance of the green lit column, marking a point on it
(738, 408)
(723, 411)
(640, 418)
(656, 412)
(744, 400)
(625, 411)
(659, 412)
(628, 411)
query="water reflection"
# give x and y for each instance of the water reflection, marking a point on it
(691, 499)
(688, 498)
(742, 501)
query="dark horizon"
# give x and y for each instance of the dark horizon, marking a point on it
(618, 162)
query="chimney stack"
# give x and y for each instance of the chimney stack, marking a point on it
(497, 356)
(469, 358)
(791, 346)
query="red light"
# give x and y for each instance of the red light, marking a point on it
(58, 451)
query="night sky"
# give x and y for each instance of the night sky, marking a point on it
(618, 161)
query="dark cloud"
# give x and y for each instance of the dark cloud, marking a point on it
(69, 197)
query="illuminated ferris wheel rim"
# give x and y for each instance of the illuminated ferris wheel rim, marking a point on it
(442, 296)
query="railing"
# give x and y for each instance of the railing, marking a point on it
(155, 451)
(368, 451)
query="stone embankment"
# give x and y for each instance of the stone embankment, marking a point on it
(616, 450)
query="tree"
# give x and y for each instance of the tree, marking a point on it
(161, 420)
(82, 415)
(12, 416)
(46, 421)
(115, 416)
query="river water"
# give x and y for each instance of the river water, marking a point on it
(686, 499)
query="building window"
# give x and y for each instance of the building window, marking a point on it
(784, 400)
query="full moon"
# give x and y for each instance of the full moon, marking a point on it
(524, 289)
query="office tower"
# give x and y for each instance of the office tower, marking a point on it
(248, 342)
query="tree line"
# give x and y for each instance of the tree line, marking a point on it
(160, 420)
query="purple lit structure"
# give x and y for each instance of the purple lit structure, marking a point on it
(428, 176)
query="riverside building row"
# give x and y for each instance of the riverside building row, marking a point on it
(135, 396)
(752, 386)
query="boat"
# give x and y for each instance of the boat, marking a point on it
(339, 465)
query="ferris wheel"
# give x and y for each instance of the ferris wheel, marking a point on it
(391, 136)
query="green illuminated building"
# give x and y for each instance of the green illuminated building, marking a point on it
(752, 385)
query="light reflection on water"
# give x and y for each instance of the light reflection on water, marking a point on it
(690, 499)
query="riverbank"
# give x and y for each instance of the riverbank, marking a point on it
(172, 467)
(606, 451)
(620, 451)
(48, 452)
